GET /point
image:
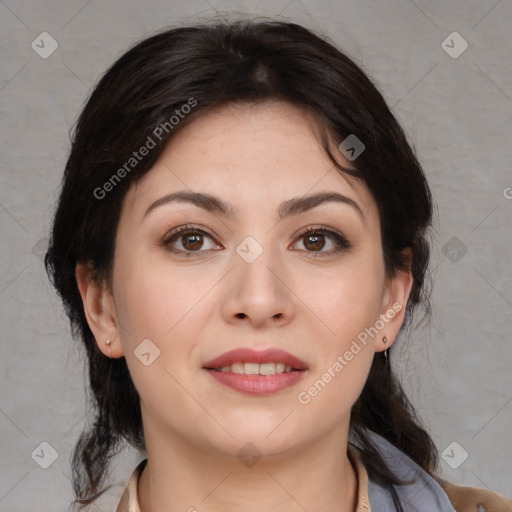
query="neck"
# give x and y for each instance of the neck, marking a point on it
(181, 477)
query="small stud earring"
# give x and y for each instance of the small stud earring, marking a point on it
(385, 340)
(108, 344)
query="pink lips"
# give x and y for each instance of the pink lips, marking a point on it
(257, 385)
(247, 355)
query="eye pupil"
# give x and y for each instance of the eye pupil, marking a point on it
(191, 238)
(318, 241)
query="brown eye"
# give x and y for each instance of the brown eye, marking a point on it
(192, 242)
(314, 242)
(315, 239)
(187, 240)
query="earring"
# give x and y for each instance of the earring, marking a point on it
(108, 344)
(385, 340)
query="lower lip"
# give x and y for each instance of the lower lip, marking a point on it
(259, 385)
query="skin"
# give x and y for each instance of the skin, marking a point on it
(253, 157)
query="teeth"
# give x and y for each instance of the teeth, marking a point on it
(237, 368)
(267, 369)
(251, 368)
(256, 369)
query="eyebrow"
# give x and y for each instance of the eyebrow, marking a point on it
(286, 209)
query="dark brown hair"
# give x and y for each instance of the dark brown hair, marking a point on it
(217, 63)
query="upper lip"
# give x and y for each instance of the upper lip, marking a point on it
(248, 355)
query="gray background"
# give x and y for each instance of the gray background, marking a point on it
(456, 111)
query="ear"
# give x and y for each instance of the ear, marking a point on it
(99, 311)
(394, 301)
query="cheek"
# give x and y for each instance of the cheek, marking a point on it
(348, 305)
(153, 297)
(159, 306)
(344, 359)
(334, 387)
(166, 305)
(345, 300)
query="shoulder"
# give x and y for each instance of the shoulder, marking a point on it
(472, 499)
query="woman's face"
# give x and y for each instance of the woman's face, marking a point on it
(249, 280)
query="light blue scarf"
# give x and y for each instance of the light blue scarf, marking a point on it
(424, 495)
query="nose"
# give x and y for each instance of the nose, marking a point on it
(257, 293)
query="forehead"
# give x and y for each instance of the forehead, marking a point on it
(249, 154)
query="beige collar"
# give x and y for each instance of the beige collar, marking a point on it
(130, 500)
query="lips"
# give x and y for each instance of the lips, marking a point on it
(251, 372)
(246, 355)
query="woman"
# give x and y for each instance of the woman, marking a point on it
(242, 234)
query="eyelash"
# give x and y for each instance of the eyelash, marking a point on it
(341, 241)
